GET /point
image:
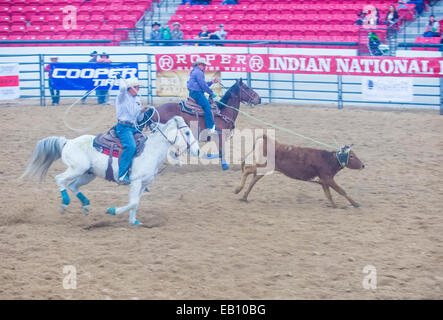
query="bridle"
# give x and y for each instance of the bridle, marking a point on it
(172, 143)
(242, 90)
(250, 96)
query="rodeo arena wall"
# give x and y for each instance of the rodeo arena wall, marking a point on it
(412, 79)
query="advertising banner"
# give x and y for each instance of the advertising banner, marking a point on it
(9, 81)
(393, 89)
(303, 64)
(174, 83)
(87, 76)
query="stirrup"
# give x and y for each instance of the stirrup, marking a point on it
(124, 180)
(213, 130)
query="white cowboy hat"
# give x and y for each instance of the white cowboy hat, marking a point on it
(200, 60)
(132, 82)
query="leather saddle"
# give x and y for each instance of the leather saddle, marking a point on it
(109, 144)
(193, 108)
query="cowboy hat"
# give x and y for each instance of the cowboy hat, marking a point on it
(93, 53)
(156, 24)
(104, 54)
(176, 23)
(132, 82)
(200, 60)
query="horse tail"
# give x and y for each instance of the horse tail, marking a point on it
(265, 138)
(46, 152)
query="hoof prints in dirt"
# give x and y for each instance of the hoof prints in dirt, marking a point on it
(151, 223)
(97, 225)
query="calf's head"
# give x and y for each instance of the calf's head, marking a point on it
(354, 162)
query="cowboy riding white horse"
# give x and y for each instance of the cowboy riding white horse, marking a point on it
(84, 162)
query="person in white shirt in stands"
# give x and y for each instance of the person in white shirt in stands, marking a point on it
(432, 28)
(129, 111)
(220, 34)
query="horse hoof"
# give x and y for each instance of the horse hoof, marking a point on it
(357, 205)
(243, 200)
(225, 167)
(237, 190)
(111, 210)
(85, 210)
(63, 208)
(135, 223)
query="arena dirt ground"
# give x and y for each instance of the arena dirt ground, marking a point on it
(200, 242)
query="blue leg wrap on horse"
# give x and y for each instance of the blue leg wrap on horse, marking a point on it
(224, 164)
(65, 197)
(83, 199)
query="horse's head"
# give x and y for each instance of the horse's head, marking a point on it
(352, 161)
(247, 94)
(180, 136)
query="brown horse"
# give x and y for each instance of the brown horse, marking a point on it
(224, 122)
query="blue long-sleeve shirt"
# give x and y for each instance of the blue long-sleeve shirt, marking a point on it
(197, 81)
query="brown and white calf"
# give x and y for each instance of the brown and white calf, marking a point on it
(304, 164)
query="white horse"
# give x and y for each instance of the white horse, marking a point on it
(84, 162)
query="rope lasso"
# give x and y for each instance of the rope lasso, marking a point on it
(276, 126)
(75, 102)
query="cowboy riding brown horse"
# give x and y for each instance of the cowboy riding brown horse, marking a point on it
(224, 116)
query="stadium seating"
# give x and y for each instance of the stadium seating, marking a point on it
(43, 19)
(308, 20)
(435, 40)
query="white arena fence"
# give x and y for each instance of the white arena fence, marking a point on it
(316, 89)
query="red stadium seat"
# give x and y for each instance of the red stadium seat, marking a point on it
(34, 30)
(5, 28)
(48, 29)
(18, 28)
(18, 19)
(5, 18)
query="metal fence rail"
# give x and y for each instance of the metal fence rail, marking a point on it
(336, 89)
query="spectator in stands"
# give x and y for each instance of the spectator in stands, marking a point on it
(166, 33)
(432, 28)
(373, 18)
(176, 33)
(229, 2)
(391, 21)
(419, 5)
(374, 44)
(219, 34)
(204, 35)
(192, 2)
(93, 56)
(361, 17)
(102, 95)
(155, 33)
(392, 16)
(55, 94)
